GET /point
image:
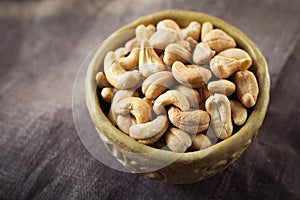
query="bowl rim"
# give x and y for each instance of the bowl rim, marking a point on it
(254, 121)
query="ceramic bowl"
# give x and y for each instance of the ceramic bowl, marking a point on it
(167, 166)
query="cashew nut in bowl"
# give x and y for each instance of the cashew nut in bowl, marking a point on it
(148, 130)
(178, 140)
(117, 76)
(218, 40)
(200, 141)
(144, 32)
(175, 52)
(107, 94)
(247, 88)
(102, 81)
(238, 112)
(193, 43)
(136, 106)
(156, 84)
(131, 61)
(191, 75)
(202, 53)
(238, 54)
(194, 121)
(191, 94)
(192, 30)
(218, 107)
(171, 97)
(149, 61)
(221, 86)
(185, 44)
(206, 28)
(132, 44)
(168, 24)
(124, 122)
(162, 37)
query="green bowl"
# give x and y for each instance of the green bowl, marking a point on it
(167, 166)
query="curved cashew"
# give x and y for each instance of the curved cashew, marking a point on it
(101, 80)
(124, 122)
(238, 54)
(136, 106)
(148, 130)
(218, 107)
(194, 121)
(224, 67)
(119, 95)
(218, 40)
(202, 53)
(191, 75)
(171, 97)
(156, 84)
(192, 95)
(238, 112)
(247, 88)
(222, 86)
(117, 75)
(144, 32)
(177, 140)
(131, 61)
(165, 34)
(206, 28)
(168, 24)
(192, 30)
(175, 52)
(201, 141)
(107, 94)
(149, 61)
(131, 44)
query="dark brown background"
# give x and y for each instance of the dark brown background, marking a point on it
(41, 156)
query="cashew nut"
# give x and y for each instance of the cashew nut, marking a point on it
(162, 37)
(192, 95)
(177, 140)
(238, 112)
(131, 44)
(238, 54)
(193, 121)
(101, 80)
(168, 24)
(202, 53)
(117, 75)
(136, 106)
(193, 43)
(107, 94)
(148, 130)
(218, 107)
(184, 43)
(221, 86)
(192, 30)
(144, 32)
(171, 97)
(131, 61)
(156, 84)
(149, 61)
(206, 28)
(124, 122)
(201, 141)
(218, 40)
(175, 52)
(190, 75)
(247, 88)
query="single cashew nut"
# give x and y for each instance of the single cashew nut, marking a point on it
(101, 80)
(202, 53)
(192, 30)
(191, 94)
(107, 94)
(118, 96)
(238, 112)
(175, 52)
(124, 122)
(193, 121)
(224, 67)
(238, 54)
(177, 140)
(156, 84)
(201, 141)
(218, 107)
(149, 61)
(221, 86)
(218, 40)
(144, 32)
(117, 75)
(148, 130)
(136, 106)
(162, 37)
(168, 24)
(190, 75)
(131, 61)
(171, 97)
(206, 28)
(247, 88)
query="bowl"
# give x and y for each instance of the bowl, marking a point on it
(167, 166)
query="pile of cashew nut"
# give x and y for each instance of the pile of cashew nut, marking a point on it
(169, 84)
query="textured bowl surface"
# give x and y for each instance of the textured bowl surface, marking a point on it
(165, 165)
